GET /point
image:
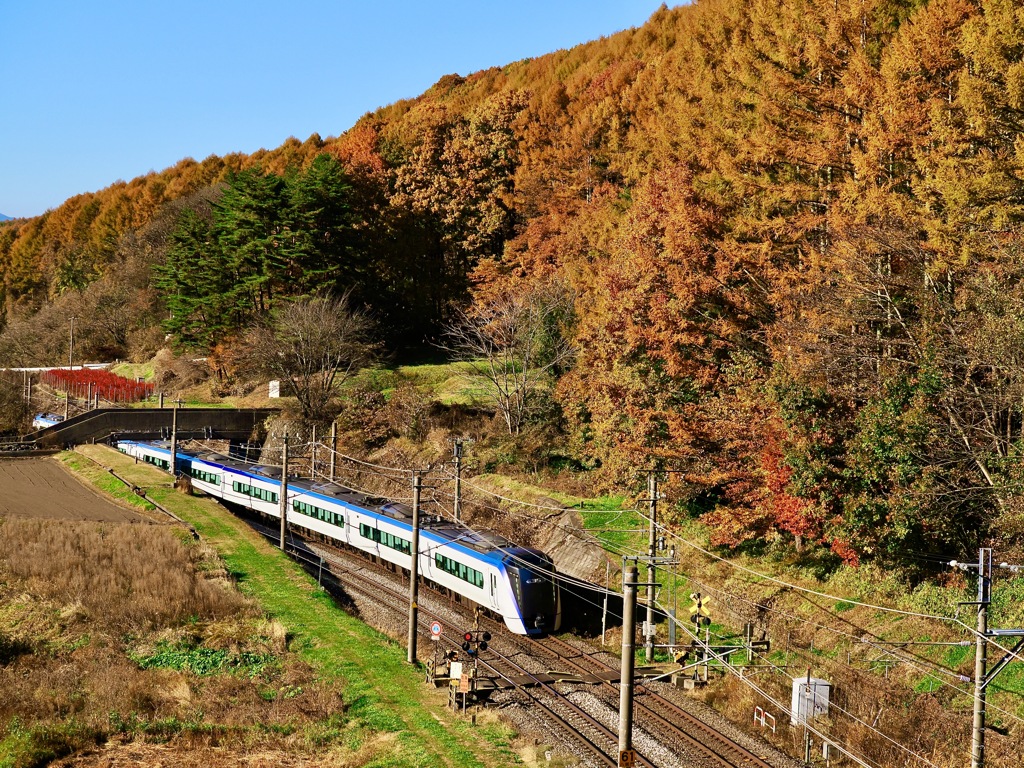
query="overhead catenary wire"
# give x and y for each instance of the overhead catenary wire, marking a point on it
(668, 532)
(676, 536)
(557, 576)
(660, 527)
(918, 663)
(362, 462)
(375, 469)
(768, 697)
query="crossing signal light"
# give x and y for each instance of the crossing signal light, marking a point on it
(475, 642)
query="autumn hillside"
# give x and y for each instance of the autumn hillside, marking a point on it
(789, 233)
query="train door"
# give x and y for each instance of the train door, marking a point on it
(493, 595)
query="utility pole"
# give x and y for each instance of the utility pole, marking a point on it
(981, 657)
(283, 499)
(334, 447)
(629, 584)
(607, 589)
(652, 551)
(312, 455)
(174, 443)
(457, 448)
(71, 346)
(414, 568)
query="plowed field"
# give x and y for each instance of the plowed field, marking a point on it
(42, 488)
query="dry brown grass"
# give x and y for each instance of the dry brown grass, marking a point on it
(128, 577)
(80, 601)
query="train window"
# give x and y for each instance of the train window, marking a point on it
(162, 463)
(320, 514)
(462, 571)
(206, 477)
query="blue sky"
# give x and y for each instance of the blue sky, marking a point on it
(93, 92)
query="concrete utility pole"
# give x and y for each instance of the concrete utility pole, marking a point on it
(457, 448)
(71, 346)
(414, 568)
(629, 576)
(652, 551)
(283, 499)
(312, 455)
(334, 447)
(174, 443)
(981, 657)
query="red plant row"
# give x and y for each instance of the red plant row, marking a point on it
(81, 382)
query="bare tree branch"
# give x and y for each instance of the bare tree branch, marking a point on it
(311, 346)
(516, 342)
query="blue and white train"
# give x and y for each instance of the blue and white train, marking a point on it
(513, 582)
(44, 420)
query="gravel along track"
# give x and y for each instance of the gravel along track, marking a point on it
(664, 733)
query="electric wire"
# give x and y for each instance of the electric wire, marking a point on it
(917, 664)
(677, 537)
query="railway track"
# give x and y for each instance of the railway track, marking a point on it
(594, 740)
(663, 726)
(662, 711)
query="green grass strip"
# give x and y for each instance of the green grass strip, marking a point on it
(383, 694)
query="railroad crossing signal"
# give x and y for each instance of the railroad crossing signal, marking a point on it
(474, 642)
(699, 613)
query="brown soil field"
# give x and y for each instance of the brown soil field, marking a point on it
(42, 488)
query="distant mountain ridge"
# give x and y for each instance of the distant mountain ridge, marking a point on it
(5, 218)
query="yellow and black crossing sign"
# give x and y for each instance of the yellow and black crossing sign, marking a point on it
(699, 612)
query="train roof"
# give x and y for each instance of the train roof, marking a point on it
(483, 541)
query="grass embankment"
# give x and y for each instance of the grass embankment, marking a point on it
(390, 718)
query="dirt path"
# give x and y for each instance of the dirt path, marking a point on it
(42, 488)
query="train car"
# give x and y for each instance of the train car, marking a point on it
(516, 583)
(44, 420)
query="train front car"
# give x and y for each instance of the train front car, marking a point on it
(531, 575)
